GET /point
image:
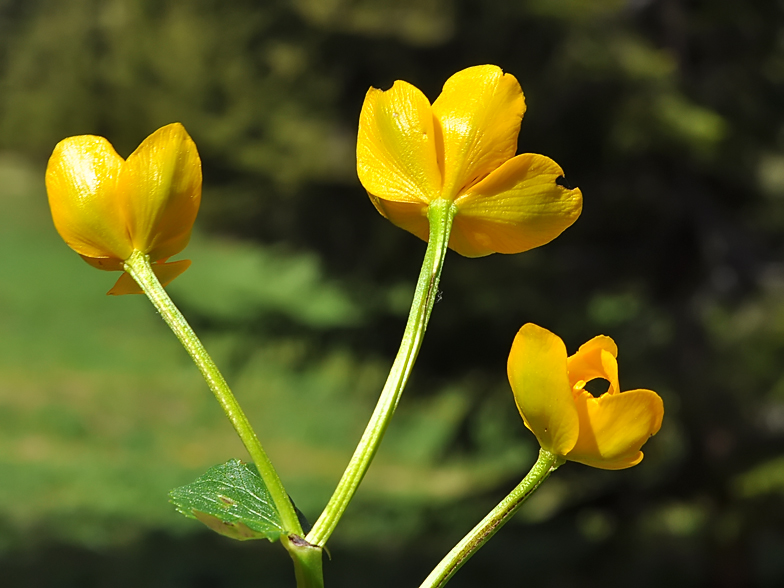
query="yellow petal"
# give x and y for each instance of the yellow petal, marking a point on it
(81, 180)
(614, 427)
(595, 359)
(166, 273)
(537, 374)
(396, 149)
(410, 216)
(160, 190)
(479, 113)
(517, 207)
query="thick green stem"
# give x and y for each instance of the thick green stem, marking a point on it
(440, 215)
(497, 518)
(307, 561)
(138, 266)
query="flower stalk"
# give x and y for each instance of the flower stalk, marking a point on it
(545, 465)
(138, 266)
(440, 215)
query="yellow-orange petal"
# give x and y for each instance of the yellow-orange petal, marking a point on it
(516, 208)
(166, 273)
(537, 374)
(81, 180)
(479, 113)
(110, 264)
(160, 190)
(595, 359)
(396, 148)
(614, 427)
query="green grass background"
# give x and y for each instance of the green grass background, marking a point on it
(102, 412)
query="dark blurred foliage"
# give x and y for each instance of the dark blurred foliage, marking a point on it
(668, 114)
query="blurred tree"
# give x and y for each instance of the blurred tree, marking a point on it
(666, 113)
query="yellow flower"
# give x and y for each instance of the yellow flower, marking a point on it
(105, 208)
(461, 149)
(605, 432)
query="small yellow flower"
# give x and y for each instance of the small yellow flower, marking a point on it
(105, 208)
(605, 432)
(462, 149)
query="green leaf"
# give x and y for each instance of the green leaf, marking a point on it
(231, 499)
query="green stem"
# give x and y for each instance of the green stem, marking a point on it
(440, 214)
(138, 266)
(307, 561)
(497, 518)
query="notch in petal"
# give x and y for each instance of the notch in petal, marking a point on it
(396, 145)
(537, 374)
(595, 359)
(479, 113)
(516, 208)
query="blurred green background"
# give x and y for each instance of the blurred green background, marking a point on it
(668, 114)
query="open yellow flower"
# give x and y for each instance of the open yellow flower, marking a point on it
(462, 149)
(549, 388)
(105, 208)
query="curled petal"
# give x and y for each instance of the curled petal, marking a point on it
(516, 208)
(111, 264)
(166, 272)
(614, 427)
(479, 113)
(160, 189)
(396, 145)
(410, 216)
(595, 359)
(537, 374)
(81, 179)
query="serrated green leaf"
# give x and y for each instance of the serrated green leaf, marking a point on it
(231, 499)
